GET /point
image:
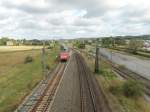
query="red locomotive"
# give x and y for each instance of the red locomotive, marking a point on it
(64, 55)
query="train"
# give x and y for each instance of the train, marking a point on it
(64, 54)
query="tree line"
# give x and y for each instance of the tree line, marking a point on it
(4, 40)
(131, 45)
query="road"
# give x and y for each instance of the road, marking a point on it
(135, 64)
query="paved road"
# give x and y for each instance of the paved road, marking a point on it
(135, 64)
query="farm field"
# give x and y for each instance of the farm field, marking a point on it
(18, 48)
(17, 79)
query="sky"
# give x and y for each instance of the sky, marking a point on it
(59, 19)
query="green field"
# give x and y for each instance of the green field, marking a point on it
(18, 79)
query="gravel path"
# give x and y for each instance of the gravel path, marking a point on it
(135, 64)
(67, 98)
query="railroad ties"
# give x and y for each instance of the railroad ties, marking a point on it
(43, 103)
(128, 74)
(92, 96)
(41, 97)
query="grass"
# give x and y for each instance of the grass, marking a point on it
(144, 54)
(140, 54)
(119, 102)
(18, 79)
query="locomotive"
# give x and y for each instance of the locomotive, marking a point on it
(64, 54)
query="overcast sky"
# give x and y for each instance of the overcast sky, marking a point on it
(46, 19)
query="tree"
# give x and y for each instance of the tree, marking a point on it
(79, 44)
(107, 42)
(119, 41)
(3, 41)
(134, 45)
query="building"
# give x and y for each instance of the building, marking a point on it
(147, 43)
(10, 43)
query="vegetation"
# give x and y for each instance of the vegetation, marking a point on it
(134, 45)
(47, 67)
(124, 96)
(28, 59)
(128, 88)
(132, 89)
(107, 42)
(131, 46)
(79, 44)
(112, 42)
(18, 79)
(139, 53)
(3, 40)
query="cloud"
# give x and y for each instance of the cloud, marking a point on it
(73, 18)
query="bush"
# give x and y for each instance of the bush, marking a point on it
(129, 88)
(132, 88)
(28, 59)
(49, 47)
(121, 66)
(115, 89)
(47, 67)
(134, 45)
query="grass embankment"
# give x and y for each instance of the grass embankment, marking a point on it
(17, 79)
(140, 53)
(119, 101)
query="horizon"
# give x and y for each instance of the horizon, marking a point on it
(122, 36)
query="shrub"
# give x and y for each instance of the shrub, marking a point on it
(115, 89)
(47, 67)
(49, 47)
(28, 59)
(134, 45)
(121, 66)
(132, 88)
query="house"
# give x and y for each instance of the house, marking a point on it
(147, 44)
(10, 43)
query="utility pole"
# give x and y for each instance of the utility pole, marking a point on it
(97, 59)
(43, 60)
(111, 52)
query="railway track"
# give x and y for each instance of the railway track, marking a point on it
(125, 73)
(41, 97)
(44, 101)
(128, 74)
(92, 96)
